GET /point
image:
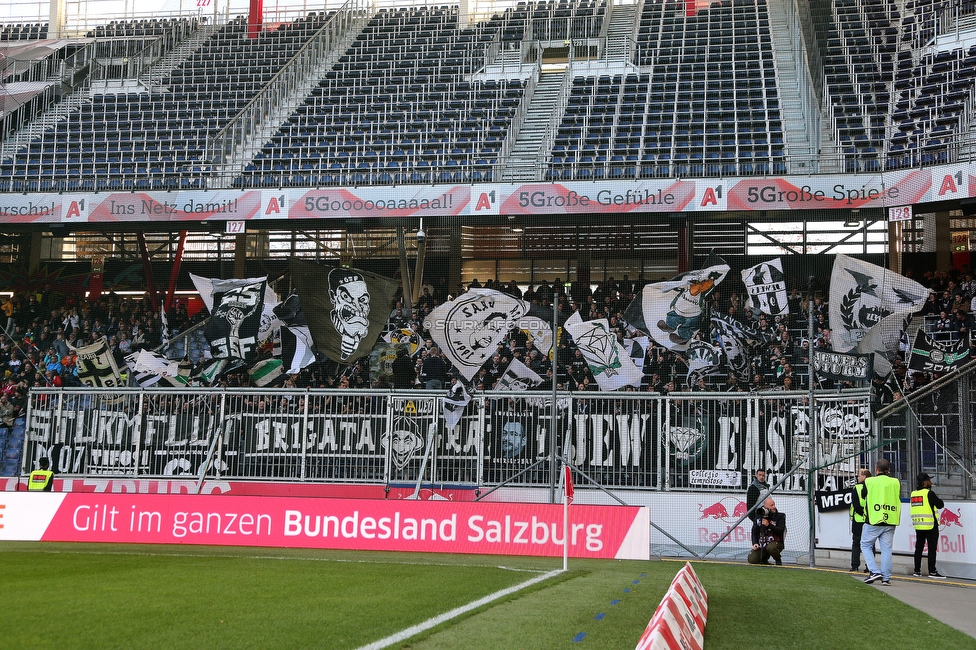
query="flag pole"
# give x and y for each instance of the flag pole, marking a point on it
(565, 530)
(567, 481)
(554, 418)
(811, 437)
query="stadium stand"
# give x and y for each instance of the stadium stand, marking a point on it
(419, 95)
(155, 139)
(23, 32)
(397, 108)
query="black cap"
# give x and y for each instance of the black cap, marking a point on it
(922, 477)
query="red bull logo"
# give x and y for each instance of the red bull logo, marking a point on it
(721, 509)
(715, 511)
(950, 518)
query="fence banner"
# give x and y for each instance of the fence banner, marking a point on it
(698, 440)
(821, 192)
(619, 532)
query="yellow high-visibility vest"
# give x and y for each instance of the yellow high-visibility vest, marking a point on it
(859, 518)
(924, 514)
(883, 500)
(39, 480)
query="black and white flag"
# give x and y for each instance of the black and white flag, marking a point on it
(346, 309)
(149, 368)
(737, 342)
(929, 355)
(518, 377)
(671, 312)
(703, 360)
(454, 404)
(609, 363)
(96, 365)
(862, 295)
(297, 349)
(232, 330)
(638, 349)
(209, 288)
(766, 286)
(469, 328)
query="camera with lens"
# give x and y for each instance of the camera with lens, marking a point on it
(763, 513)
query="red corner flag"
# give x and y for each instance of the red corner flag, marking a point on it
(569, 483)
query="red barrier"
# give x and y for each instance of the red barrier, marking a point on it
(679, 621)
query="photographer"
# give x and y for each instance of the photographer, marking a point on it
(768, 533)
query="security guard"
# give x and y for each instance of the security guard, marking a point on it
(42, 479)
(882, 496)
(925, 506)
(857, 518)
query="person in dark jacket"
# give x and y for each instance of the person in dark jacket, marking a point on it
(756, 490)
(433, 371)
(404, 370)
(925, 506)
(768, 534)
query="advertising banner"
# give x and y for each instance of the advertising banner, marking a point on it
(618, 532)
(822, 192)
(956, 554)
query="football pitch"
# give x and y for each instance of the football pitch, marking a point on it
(124, 596)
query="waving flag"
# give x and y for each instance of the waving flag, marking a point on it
(346, 309)
(766, 286)
(610, 364)
(454, 404)
(210, 288)
(518, 377)
(703, 360)
(297, 349)
(929, 355)
(862, 295)
(235, 320)
(469, 328)
(737, 342)
(671, 312)
(96, 365)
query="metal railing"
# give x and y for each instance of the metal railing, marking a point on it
(684, 441)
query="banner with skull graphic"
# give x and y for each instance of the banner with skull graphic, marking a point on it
(413, 422)
(346, 309)
(232, 330)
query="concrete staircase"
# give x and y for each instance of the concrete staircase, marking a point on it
(799, 130)
(620, 31)
(247, 149)
(523, 160)
(154, 75)
(46, 120)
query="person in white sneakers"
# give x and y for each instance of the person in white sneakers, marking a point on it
(882, 496)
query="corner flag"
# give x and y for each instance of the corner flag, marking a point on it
(569, 483)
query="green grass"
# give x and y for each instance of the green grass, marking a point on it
(107, 596)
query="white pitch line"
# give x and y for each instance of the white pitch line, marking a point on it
(403, 635)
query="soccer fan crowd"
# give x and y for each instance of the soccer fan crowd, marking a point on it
(43, 328)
